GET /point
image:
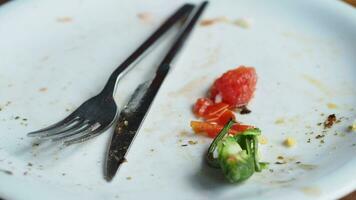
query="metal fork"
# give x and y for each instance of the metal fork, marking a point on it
(97, 114)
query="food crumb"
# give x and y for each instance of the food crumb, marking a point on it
(331, 106)
(128, 178)
(342, 134)
(17, 117)
(126, 123)
(145, 17)
(329, 122)
(289, 142)
(262, 139)
(280, 157)
(244, 110)
(35, 144)
(192, 142)
(311, 191)
(43, 89)
(6, 172)
(279, 121)
(319, 136)
(183, 133)
(184, 145)
(64, 19)
(209, 22)
(352, 127)
(243, 23)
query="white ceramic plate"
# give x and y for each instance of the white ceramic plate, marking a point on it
(55, 55)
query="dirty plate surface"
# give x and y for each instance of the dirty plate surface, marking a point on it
(55, 55)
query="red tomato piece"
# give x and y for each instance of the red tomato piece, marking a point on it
(241, 127)
(205, 128)
(225, 117)
(235, 87)
(215, 110)
(201, 105)
(212, 130)
(222, 118)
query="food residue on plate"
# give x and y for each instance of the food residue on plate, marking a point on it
(352, 127)
(234, 89)
(279, 121)
(191, 142)
(330, 120)
(262, 139)
(331, 106)
(289, 142)
(244, 23)
(145, 17)
(6, 105)
(209, 22)
(311, 191)
(64, 19)
(43, 89)
(244, 110)
(187, 90)
(307, 167)
(318, 84)
(235, 146)
(6, 171)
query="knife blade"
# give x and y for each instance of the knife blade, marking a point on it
(132, 116)
(125, 130)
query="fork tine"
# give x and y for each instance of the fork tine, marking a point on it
(72, 133)
(55, 127)
(54, 134)
(85, 136)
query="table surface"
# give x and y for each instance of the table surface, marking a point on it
(351, 196)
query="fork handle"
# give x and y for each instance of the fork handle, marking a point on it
(181, 13)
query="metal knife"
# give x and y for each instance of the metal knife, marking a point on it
(131, 117)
